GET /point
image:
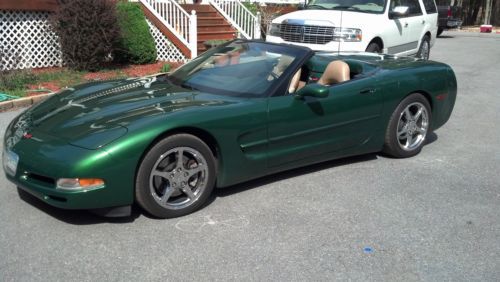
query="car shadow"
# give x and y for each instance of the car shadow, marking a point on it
(230, 190)
(75, 217)
(445, 36)
(431, 138)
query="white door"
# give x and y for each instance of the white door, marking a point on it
(395, 32)
(411, 27)
(416, 25)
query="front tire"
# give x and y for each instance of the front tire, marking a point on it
(408, 127)
(176, 176)
(373, 48)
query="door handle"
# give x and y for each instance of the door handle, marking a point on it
(423, 21)
(367, 91)
(406, 24)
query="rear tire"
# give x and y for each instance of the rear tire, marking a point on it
(408, 127)
(425, 48)
(373, 48)
(440, 31)
(176, 176)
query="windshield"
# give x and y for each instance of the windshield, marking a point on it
(367, 6)
(239, 68)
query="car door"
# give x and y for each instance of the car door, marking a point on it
(394, 30)
(431, 19)
(411, 26)
(300, 129)
(416, 25)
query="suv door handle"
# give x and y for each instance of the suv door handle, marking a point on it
(423, 21)
(406, 24)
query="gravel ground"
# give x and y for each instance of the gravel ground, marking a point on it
(432, 217)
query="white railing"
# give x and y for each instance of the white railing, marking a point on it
(239, 17)
(177, 20)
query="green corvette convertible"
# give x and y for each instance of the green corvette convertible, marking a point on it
(240, 111)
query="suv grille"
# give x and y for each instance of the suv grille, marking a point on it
(311, 34)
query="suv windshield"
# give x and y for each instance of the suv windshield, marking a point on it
(367, 6)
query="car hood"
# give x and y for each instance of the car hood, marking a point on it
(93, 115)
(350, 19)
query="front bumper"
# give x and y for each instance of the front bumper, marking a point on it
(452, 23)
(332, 46)
(62, 199)
(44, 159)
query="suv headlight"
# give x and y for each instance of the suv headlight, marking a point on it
(274, 29)
(347, 34)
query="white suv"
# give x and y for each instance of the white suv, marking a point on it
(400, 27)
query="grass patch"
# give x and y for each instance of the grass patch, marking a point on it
(63, 78)
(21, 83)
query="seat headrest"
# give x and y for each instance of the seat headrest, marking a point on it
(335, 72)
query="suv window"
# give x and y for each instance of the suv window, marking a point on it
(413, 5)
(430, 6)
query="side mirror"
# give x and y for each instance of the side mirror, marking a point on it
(301, 6)
(398, 12)
(313, 90)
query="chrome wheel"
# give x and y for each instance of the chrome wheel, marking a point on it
(178, 178)
(412, 126)
(425, 49)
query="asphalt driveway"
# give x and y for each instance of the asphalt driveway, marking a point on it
(432, 217)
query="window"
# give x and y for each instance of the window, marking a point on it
(413, 5)
(238, 68)
(430, 6)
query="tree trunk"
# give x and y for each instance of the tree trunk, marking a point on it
(487, 12)
(495, 13)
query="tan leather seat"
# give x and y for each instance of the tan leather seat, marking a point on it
(294, 83)
(336, 72)
(221, 60)
(282, 65)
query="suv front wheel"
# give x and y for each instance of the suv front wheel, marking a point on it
(373, 48)
(425, 48)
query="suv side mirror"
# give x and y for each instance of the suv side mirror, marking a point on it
(398, 12)
(313, 90)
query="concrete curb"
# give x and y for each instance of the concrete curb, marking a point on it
(23, 102)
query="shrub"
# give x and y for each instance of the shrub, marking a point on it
(88, 32)
(12, 78)
(166, 68)
(16, 79)
(252, 7)
(136, 44)
(214, 43)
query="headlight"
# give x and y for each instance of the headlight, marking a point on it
(10, 160)
(274, 29)
(76, 184)
(347, 34)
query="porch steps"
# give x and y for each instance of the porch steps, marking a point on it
(210, 25)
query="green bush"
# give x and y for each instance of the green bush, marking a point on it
(136, 43)
(13, 79)
(252, 7)
(165, 68)
(16, 79)
(88, 31)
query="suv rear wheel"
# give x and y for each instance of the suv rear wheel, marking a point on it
(425, 48)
